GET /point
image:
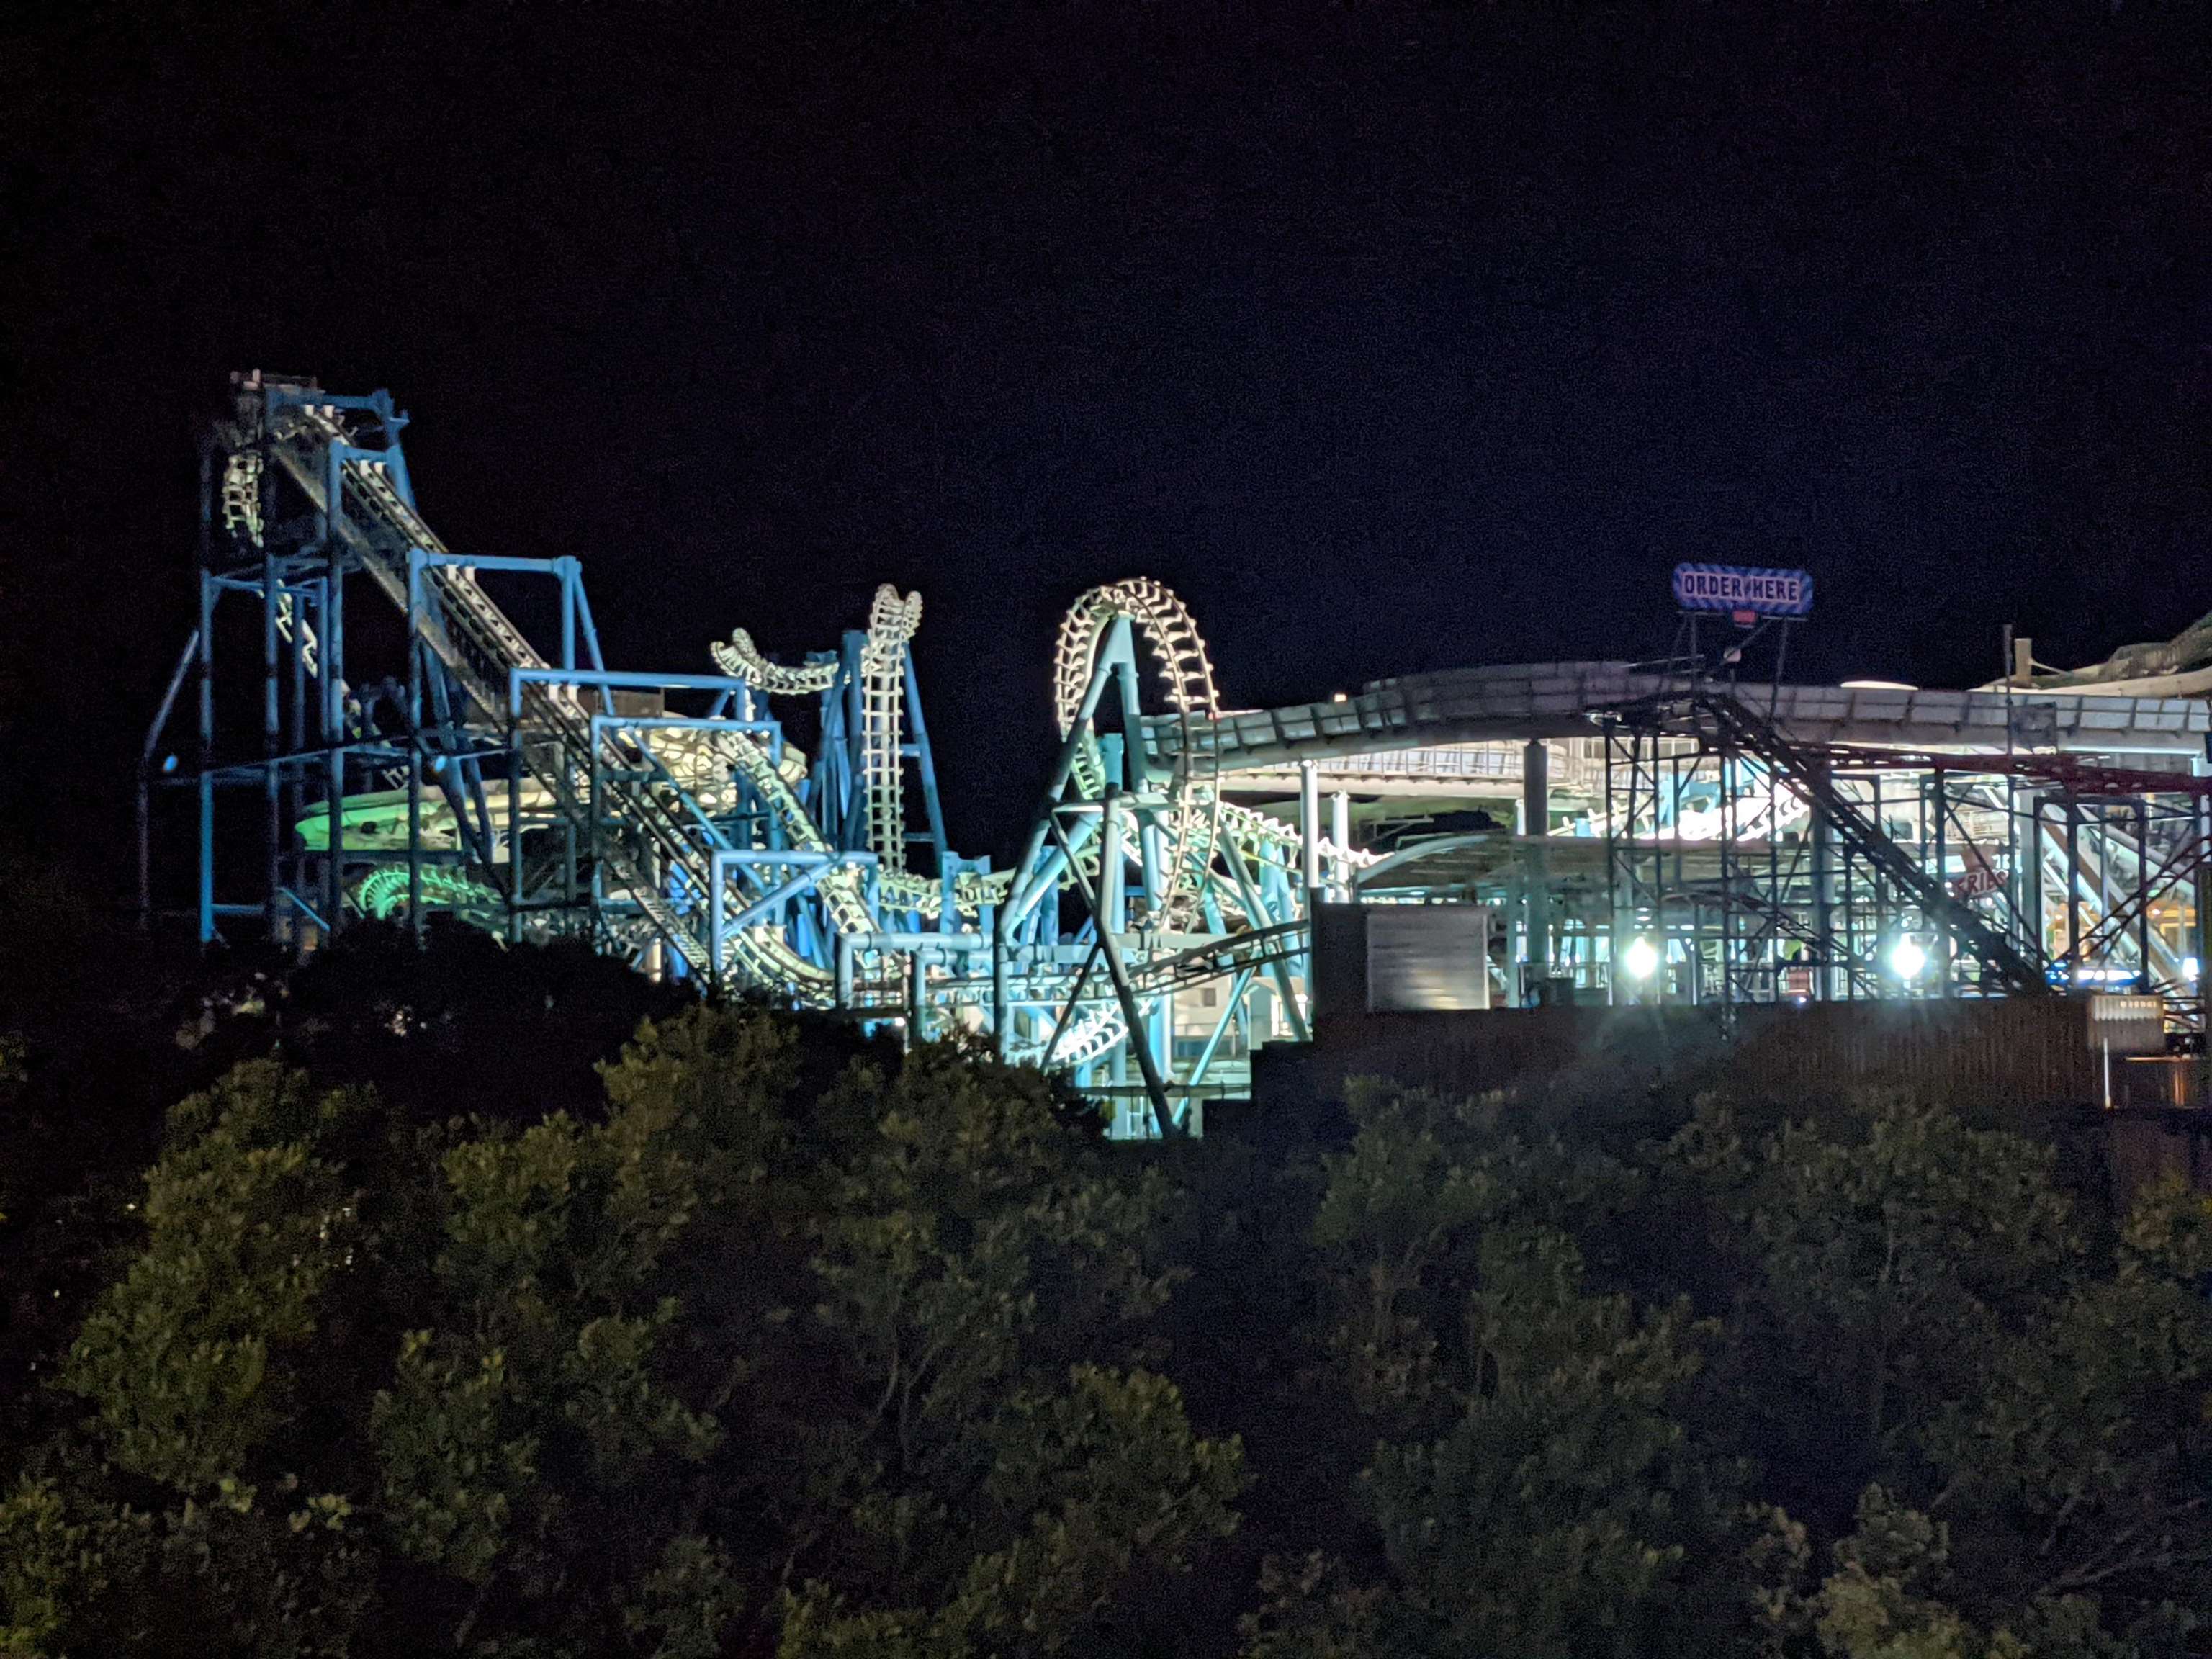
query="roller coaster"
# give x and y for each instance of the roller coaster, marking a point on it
(751, 826)
(670, 819)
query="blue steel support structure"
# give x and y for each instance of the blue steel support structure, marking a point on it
(664, 815)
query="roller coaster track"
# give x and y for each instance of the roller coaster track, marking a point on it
(1861, 834)
(1203, 832)
(382, 892)
(652, 851)
(632, 798)
(241, 516)
(1193, 799)
(892, 622)
(1186, 675)
(741, 659)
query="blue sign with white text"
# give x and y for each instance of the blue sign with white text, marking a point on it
(1737, 587)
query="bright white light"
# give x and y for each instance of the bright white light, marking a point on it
(1641, 958)
(2189, 968)
(2093, 974)
(1907, 958)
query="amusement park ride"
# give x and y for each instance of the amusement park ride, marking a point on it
(1663, 832)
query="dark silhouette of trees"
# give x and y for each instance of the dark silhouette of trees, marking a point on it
(498, 1302)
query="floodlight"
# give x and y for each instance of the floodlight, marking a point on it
(1907, 958)
(1641, 959)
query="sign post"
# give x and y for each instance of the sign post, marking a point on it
(1755, 599)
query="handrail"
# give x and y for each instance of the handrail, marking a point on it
(1862, 835)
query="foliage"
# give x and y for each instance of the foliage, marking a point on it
(371, 1387)
(1892, 1265)
(765, 1341)
(247, 1226)
(1536, 1491)
(2026, 1411)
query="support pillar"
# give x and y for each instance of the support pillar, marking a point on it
(415, 649)
(1536, 824)
(1112, 909)
(2072, 895)
(1613, 939)
(1943, 946)
(1824, 922)
(1002, 1030)
(207, 758)
(2202, 808)
(1339, 833)
(2032, 894)
(2143, 889)
(1156, 879)
(272, 739)
(329, 660)
(1138, 1045)
(1310, 829)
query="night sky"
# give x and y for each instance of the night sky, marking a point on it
(1394, 337)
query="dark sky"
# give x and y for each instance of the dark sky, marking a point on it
(1394, 337)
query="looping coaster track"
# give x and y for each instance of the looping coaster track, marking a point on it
(667, 818)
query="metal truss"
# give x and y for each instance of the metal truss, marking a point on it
(663, 815)
(1761, 870)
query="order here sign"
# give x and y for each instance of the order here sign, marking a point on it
(1743, 587)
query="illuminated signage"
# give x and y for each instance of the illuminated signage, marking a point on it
(1743, 589)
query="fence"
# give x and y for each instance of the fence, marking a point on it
(1983, 1057)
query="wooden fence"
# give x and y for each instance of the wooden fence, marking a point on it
(1981, 1056)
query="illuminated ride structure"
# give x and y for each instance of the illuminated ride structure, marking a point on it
(666, 817)
(1747, 844)
(1655, 834)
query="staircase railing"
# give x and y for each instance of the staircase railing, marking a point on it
(1860, 834)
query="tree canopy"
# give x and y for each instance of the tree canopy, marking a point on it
(765, 1338)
